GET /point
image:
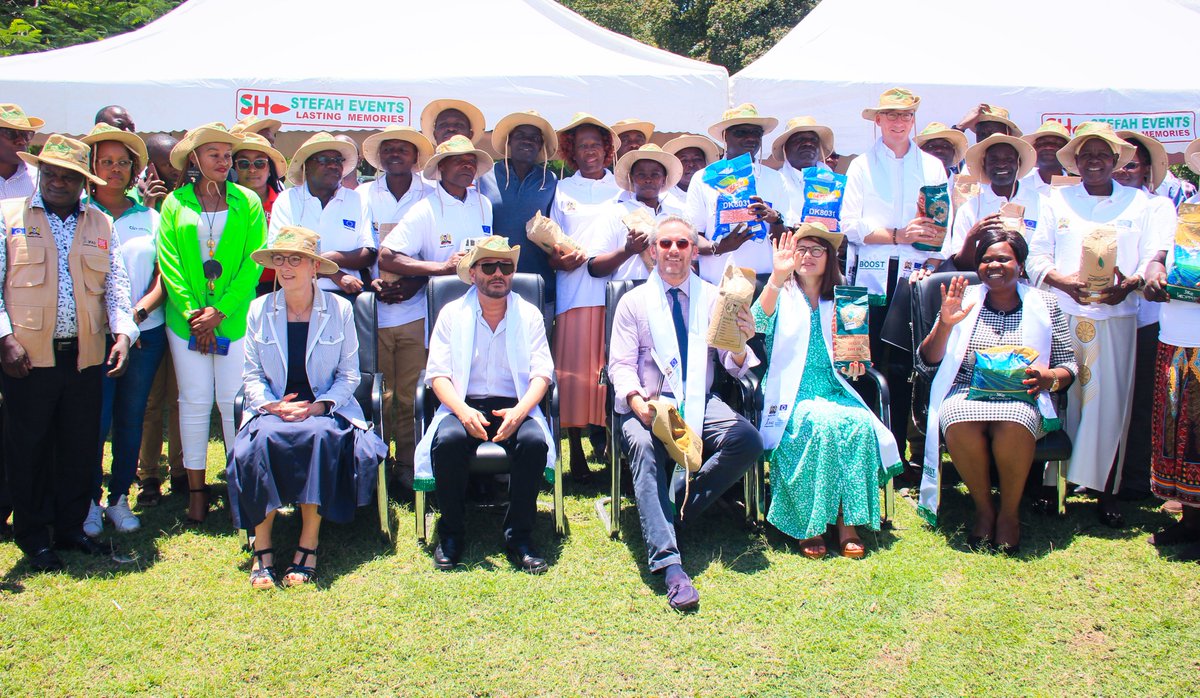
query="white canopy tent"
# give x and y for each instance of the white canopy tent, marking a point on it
(1130, 63)
(363, 64)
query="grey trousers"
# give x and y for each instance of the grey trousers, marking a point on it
(731, 447)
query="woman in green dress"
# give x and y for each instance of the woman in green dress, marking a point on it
(830, 453)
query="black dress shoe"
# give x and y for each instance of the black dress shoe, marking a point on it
(85, 545)
(447, 554)
(45, 560)
(526, 558)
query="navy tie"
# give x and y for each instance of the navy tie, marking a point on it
(680, 330)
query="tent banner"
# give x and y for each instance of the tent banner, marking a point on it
(1164, 126)
(324, 109)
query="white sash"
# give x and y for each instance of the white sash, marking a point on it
(463, 315)
(789, 353)
(1036, 333)
(690, 393)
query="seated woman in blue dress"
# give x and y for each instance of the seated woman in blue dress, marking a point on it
(830, 452)
(303, 439)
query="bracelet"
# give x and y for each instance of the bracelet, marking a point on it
(1054, 386)
(771, 283)
(893, 236)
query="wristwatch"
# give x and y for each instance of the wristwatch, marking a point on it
(141, 314)
(1054, 385)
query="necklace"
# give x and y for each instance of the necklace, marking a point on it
(212, 268)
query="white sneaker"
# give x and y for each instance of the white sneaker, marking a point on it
(93, 524)
(122, 519)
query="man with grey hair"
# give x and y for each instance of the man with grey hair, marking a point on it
(658, 355)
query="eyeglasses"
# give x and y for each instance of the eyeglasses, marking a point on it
(16, 135)
(814, 252)
(488, 268)
(292, 260)
(324, 160)
(897, 115)
(681, 244)
(257, 163)
(1132, 165)
(746, 131)
(109, 164)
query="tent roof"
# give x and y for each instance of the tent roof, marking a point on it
(1037, 58)
(503, 55)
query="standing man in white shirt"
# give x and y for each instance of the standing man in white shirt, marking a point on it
(397, 152)
(633, 134)
(804, 144)
(319, 202)
(443, 118)
(694, 153)
(879, 217)
(741, 129)
(987, 119)
(16, 133)
(1047, 140)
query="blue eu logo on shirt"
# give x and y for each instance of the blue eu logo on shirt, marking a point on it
(487, 229)
(348, 223)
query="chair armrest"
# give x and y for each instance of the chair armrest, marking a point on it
(883, 395)
(750, 387)
(377, 400)
(239, 407)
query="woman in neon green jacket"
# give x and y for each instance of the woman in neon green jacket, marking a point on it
(209, 229)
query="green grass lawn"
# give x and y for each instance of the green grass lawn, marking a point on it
(1088, 610)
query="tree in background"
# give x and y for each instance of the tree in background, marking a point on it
(40, 25)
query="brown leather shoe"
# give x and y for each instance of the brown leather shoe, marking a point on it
(150, 493)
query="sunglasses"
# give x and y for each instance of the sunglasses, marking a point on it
(293, 260)
(682, 244)
(257, 163)
(16, 135)
(324, 160)
(489, 268)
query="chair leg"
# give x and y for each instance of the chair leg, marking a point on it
(1062, 488)
(614, 499)
(419, 506)
(381, 497)
(560, 524)
(889, 505)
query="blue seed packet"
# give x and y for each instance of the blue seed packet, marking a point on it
(999, 372)
(734, 182)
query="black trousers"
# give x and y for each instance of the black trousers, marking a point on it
(51, 434)
(1135, 476)
(452, 450)
(5, 499)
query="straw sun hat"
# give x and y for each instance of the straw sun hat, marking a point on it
(1095, 129)
(214, 132)
(1027, 156)
(370, 147)
(67, 153)
(317, 143)
(293, 239)
(457, 145)
(490, 247)
(649, 151)
(525, 118)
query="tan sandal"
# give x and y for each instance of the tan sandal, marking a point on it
(810, 546)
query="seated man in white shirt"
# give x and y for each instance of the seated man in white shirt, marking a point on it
(490, 366)
(319, 202)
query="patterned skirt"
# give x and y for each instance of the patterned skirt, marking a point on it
(1175, 444)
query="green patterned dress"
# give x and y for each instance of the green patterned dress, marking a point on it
(828, 457)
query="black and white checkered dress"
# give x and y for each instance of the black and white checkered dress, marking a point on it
(994, 329)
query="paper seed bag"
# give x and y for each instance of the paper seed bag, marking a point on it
(1012, 217)
(545, 233)
(1098, 265)
(736, 292)
(640, 221)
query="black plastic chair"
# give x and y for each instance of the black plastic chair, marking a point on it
(743, 395)
(926, 302)
(369, 394)
(490, 458)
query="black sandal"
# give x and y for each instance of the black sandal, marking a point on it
(193, 523)
(264, 571)
(307, 572)
(1175, 534)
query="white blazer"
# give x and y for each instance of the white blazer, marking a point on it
(331, 357)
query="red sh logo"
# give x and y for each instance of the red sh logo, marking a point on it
(250, 104)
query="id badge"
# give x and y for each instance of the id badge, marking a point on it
(775, 416)
(469, 243)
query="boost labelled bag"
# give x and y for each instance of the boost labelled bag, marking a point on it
(999, 372)
(823, 192)
(1183, 279)
(934, 203)
(851, 326)
(734, 182)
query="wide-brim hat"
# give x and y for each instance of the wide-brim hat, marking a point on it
(490, 247)
(457, 145)
(214, 132)
(1050, 127)
(13, 116)
(317, 143)
(1191, 156)
(430, 113)
(294, 239)
(583, 119)
(682, 444)
(649, 151)
(1158, 155)
(66, 153)
(801, 124)
(1095, 129)
(645, 128)
(936, 130)
(999, 115)
(818, 230)
(525, 118)
(257, 143)
(370, 147)
(103, 132)
(712, 151)
(742, 114)
(255, 124)
(895, 99)
(1027, 156)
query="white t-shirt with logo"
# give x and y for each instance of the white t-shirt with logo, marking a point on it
(578, 203)
(385, 211)
(343, 225)
(702, 210)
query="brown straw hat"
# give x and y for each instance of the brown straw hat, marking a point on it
(66, 153)
(457, 145)
(742, 114)
(937, 129)
(818, 230)
(800, 124)
(317, 143)
(255, 124)
(13, 116)
(991, 112)
(1027, 156)
(257, 143)
(294, 239)
(895, 99)
(370, 147)
(1050, 127)
(103, 132)
(1158, 155)
(430, 113)
(645, 128)
(649, 151)
(712, 151)
(582, 118)
(214, 132)
(490, 247)
(525, 118)
(1095, 129)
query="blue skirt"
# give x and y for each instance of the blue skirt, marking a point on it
(322, 460)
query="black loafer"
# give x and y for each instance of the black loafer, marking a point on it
(45, 560)
(447, 554)
(526, 558)
(85, 545)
